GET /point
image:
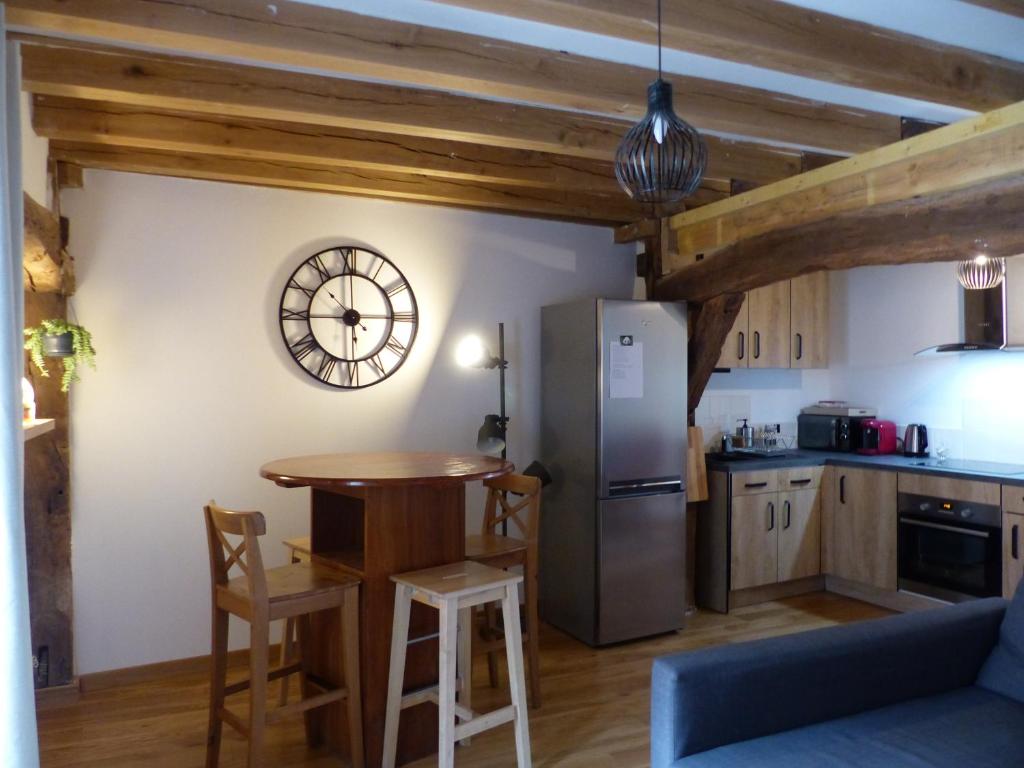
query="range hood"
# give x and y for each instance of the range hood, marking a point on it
(993, 318)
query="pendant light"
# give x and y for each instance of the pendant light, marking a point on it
(662, 158)
(981, 271)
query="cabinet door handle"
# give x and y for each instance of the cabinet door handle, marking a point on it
(789, 512)
(1014, 549)
(800, 482)
(771, 516)
(842, 489)
(756, 485)
(743, 345)
(799, 346)
(757, 344)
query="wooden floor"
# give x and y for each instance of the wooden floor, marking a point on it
(595, 711)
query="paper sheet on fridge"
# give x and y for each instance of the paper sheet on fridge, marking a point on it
(626, 371)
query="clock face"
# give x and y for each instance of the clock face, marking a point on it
(348, 317)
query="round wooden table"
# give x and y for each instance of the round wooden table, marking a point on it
(375, 515)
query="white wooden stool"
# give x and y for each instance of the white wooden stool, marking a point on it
(455, 590)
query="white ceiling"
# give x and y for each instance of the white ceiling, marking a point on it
(947, 21)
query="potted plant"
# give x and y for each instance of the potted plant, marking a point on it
(59, 338)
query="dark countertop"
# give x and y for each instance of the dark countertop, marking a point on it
(892, 462)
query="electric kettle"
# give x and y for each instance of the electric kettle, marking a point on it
(915, 440)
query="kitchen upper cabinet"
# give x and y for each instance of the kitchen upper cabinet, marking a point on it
(808, 321)
(754, 551)
(736, 350)
(769, 309)
(799, 534)
(783, 325)
(864, 524)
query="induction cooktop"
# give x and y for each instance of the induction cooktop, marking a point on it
(974, 467)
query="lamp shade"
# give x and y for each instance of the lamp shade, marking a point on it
(662, 158)
(981, 272)
(490, 439)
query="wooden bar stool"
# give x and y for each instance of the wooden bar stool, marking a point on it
(497, 551)
(454, 590)
(300, 551)
(260, 596)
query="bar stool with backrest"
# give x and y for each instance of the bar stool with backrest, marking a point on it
(260, 596)
(497, 551)
(454, 590)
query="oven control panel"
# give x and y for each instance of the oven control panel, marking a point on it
(935, 508)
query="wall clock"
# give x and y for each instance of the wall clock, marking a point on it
(348, 317)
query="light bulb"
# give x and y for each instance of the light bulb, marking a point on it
(470, 352)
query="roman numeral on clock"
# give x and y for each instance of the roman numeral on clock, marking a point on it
(295, 314)
(303, 347)
(293, 283)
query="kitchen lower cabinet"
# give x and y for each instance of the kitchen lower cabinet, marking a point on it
(799, 534)
(774, 536)
(864, 527)
(1013, 552)
(754, 540)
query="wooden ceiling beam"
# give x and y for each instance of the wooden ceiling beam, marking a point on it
(941, 227)
(985, 148)
(235, 91)
(289, 35)
(92, 122)
(800, 41)
(547, 203)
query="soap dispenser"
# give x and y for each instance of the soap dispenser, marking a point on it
(745, 433)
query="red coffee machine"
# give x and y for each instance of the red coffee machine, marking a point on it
(877, 436)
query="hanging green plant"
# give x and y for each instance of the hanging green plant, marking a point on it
(59, 338)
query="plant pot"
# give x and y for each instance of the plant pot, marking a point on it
(58, 345)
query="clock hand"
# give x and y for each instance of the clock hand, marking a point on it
(342, 306)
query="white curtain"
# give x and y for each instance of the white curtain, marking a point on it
(18, 741)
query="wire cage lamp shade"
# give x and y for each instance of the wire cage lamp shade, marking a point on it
(981, 271)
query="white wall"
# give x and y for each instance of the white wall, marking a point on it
(179, 281)
(970, 402)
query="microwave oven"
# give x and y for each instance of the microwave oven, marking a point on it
(828, 433)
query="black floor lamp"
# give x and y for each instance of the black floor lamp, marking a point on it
(492, 437)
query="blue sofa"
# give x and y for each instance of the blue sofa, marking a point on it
(939, 688)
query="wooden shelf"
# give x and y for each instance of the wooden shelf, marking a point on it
(37, 427)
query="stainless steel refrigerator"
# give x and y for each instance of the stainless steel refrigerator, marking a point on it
(613, 437)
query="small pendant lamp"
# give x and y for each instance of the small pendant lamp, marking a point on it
(662, 158)
(981, 271)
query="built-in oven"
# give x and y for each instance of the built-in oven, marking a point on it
(948, 549)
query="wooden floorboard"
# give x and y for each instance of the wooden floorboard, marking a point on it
(595, 711)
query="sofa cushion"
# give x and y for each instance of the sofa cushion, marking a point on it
(965, 727)
(1003, 671)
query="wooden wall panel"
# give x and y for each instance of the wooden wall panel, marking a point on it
(48, 512)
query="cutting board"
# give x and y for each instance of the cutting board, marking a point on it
(696, 467)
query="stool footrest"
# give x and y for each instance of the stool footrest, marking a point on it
(485, 722)
(427, 693)
(233, 720)
(311, 703)
(243, 685)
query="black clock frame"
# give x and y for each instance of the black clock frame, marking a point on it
(387, 298)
